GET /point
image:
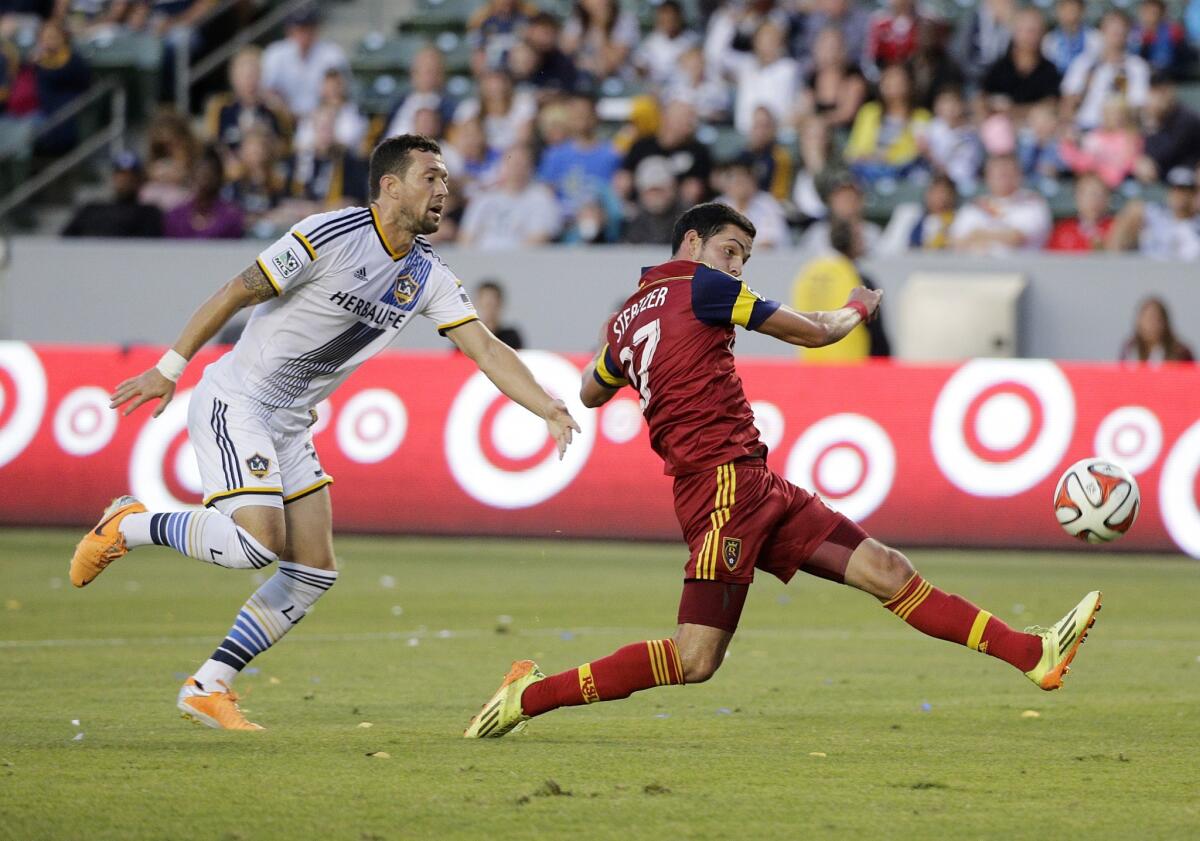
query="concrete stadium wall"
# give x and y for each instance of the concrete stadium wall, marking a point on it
(56, 290)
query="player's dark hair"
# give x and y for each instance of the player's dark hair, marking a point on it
(393, 155)
(706, 220)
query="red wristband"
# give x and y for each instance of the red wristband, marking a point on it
(860, 308)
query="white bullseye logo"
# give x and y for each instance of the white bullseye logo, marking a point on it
(1131, 437)
(849, 460)
(769, 421)
(371, 426)
(152, 453)
(83, 423)
(621, 420)
(22, 398)
(1000, 426)
(500, 454)
(1178, 491)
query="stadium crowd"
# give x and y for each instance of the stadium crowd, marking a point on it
(998, 114)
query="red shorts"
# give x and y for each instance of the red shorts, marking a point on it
(742, 516)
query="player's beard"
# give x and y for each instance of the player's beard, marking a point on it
(425, 224)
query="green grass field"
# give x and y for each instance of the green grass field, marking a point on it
(829, 719)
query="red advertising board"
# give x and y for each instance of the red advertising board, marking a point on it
(422, 443)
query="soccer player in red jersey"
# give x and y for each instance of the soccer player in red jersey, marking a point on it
(672, 341)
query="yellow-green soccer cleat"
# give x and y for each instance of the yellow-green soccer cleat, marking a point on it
(1062, 640)
(502, 712)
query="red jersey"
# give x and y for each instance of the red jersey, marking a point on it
(673, 340)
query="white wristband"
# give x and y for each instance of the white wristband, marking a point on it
(171, 365)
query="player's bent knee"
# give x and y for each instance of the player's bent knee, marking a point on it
(893, 569)
(264, 524)
(700, 667)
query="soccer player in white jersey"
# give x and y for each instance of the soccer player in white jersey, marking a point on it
(333, 292)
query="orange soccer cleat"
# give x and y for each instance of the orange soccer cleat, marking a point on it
(218, 709)
(103, 544)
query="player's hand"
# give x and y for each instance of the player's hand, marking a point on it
(146, 386)
(868, 298)
(560, 423)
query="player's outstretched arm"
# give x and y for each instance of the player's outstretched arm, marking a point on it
(817, 329)
(248, 288)
(504, 368)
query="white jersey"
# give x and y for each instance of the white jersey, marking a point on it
(343, 295)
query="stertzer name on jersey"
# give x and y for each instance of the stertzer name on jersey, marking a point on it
(650, 301)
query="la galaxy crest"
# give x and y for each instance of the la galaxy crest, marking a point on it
(259, 465)
(731, 551)
(405, 289)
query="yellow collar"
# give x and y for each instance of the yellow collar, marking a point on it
(383, 239)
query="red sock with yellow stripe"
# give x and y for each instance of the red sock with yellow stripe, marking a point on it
(627, 670)
(939, 614)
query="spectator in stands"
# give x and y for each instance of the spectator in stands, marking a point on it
(951, 143)
(932, 229)
(675, 141)
(537, 60)
(658, 204)
(177, 24)
(658, 55)
(883, 141)
(473, 164)
(1023, 74)
(1008, 218)
(892, 38)
(1092, 79)
(324, 174)
(427, 80)
(507, 114)
(517, 212)
(1161, 232)
(768, 76)
(825, 282)
(1088, 229)
(703, 90)
(256, 182)
(89, 18)
(123, 215)
(732, 27)
(741, 192)
(1160, 40)
(834, 88)
(54, 76)
(349, 125)
(581, 168)
(933, 68)
(1172, 132)
(1110, 150)
(205, 215)
(231, 115)
(769, 159)
(844, 201)
(1191, 21)
(599, 36)
(172, 158)
(985, 36)
(1039, 142)
(1071, 37)
(489, 304)
(295, 67)
(494, 29)
(851, 21)
(1153, 340)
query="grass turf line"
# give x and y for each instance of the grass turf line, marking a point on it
(816, 669)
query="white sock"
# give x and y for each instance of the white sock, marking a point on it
(275, 607)
(204, 534)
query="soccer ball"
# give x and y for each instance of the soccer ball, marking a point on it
(1096, 500)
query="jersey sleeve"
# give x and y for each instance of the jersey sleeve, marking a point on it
(288, 262)
(447, 304)
(607, 372)
(719, 299)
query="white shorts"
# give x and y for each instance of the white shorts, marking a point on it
(244, 461)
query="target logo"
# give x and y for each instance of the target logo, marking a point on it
(1179, 491)
(371, 426)
(1131, 437)
(849, 460)
(163, 443)
(1000, 426)
(502, 455)
(83, 423)
(769, 421)
(22, 398)
(621, 420)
